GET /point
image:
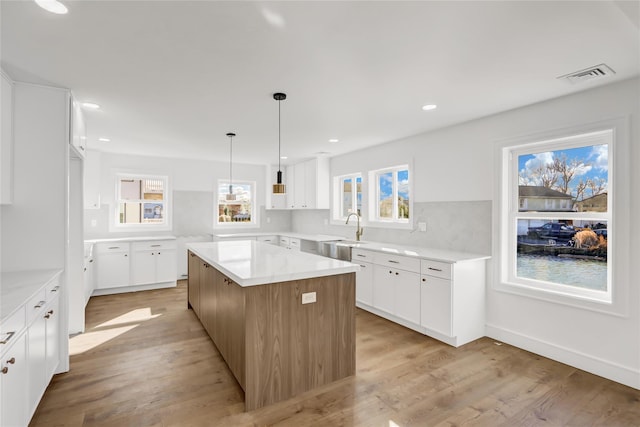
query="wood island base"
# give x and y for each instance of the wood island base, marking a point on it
(276, 346)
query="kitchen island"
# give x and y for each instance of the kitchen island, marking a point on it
(284, 322)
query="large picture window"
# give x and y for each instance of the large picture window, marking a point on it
(390, 195)
(235, 208)
(558, 202)
(142, 201)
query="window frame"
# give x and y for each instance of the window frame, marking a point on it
(619, 219)
(166, 202)
(338, 190)
(224, 183)
(374, 194)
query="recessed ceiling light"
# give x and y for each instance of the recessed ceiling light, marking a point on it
(104, 140)
(52, 6)
(429, 107)
(284, 157)
(90, 105)
(334, 140)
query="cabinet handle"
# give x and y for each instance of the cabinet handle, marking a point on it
(360, 255)
(394, 262)
(50, 312)
(435, 269)
(90, 260)
(126, 255)
(55, 289)
(8, 337)
(114, 247)
(5, 370)
(155, 246)
(424, 280)
(397, 273)
(46, 316)
(158, 253)
(192, 254)
(12, 360)
(390, 272)
(363, 266)
(40, 304)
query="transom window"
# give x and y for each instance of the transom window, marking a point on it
(142, 201)
(557, 236)
(235, 204)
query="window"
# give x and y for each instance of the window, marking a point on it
(142, 201)
(391, 195)
(349, 189)
(557, 242)
(236, 208)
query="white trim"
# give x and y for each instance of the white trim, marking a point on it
(338, 196)
(614, 371)
(394, 222)
(620, 267)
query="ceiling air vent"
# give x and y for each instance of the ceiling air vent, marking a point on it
(595, 72)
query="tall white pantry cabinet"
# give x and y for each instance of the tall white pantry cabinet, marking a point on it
(41, 204)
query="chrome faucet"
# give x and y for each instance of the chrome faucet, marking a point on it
(359, 229)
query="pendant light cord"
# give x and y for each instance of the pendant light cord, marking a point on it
(279, 157)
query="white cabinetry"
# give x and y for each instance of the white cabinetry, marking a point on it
(153, 262)
(6, 139)
(13, 383)
(273, 240)
(308, 184)
(112, 265)
(274, 201)
(78, 137)
(444, 300)
(92, 178)
(289, 242)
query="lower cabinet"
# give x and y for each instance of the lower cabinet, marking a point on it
(193, 282)
(444, 300)
(14, 407)
(112, 265)
(153, 262)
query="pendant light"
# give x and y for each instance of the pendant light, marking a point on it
(230, 195)
(279, 187)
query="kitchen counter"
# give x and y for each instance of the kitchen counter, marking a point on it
(131, 239)
(443, 255)
(17, 287)
(301, 236)
(249, 262)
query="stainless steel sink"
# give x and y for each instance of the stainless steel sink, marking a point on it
(338, 249)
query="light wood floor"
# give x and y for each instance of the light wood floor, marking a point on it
(152, 364)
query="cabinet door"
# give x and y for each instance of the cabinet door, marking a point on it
(299, 186)
(208, 298)
(52, 317)
(143, 269)
(235, 351)
(6, 140)
(92, 179)
(383, 292)
(89, 281)
(407, 293)
(193, 282)
(112, 269)
(290, 180)
(364, 283)
(78, 129)
(435, 296)
(166, 266)
(37, 357)
(13, 384)
(310, 183)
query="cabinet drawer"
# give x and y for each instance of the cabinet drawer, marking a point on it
(36, 305)
(294, 243)
(154, 245)
(399, 262)
(12, 325)
(268, 239)
(106, 248)
(436, 268)
(361, 255)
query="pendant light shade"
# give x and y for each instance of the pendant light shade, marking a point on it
(230, 195)
(279, 187)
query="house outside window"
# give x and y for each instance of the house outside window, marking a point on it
(390, 195)
(142, 201)
(236, 208)
(547, 244)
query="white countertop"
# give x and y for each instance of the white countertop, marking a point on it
(249, 262)
(17, 287)
(443, 255)
(131, 239)
(301, 236)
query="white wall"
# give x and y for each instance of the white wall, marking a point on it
(457, 164)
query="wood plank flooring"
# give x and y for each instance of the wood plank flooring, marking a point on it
(145, 360)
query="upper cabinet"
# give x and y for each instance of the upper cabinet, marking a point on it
(77, 128)
(6, 140)
(308, 184)
(91, 180)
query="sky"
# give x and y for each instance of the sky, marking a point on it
(386, 184)
(593, 164)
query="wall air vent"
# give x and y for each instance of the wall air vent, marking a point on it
(595, 72)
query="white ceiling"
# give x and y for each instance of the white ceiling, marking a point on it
(173, 77)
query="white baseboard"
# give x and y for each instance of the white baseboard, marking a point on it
(601, 367)
(125, 289)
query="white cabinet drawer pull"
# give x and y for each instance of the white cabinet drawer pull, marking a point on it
(7, 337)
(55, 289)
(155, 246)
(363, 266)
(114, 247)
(38, 305)
(435, 269)
(360, 255)
(394, 262)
